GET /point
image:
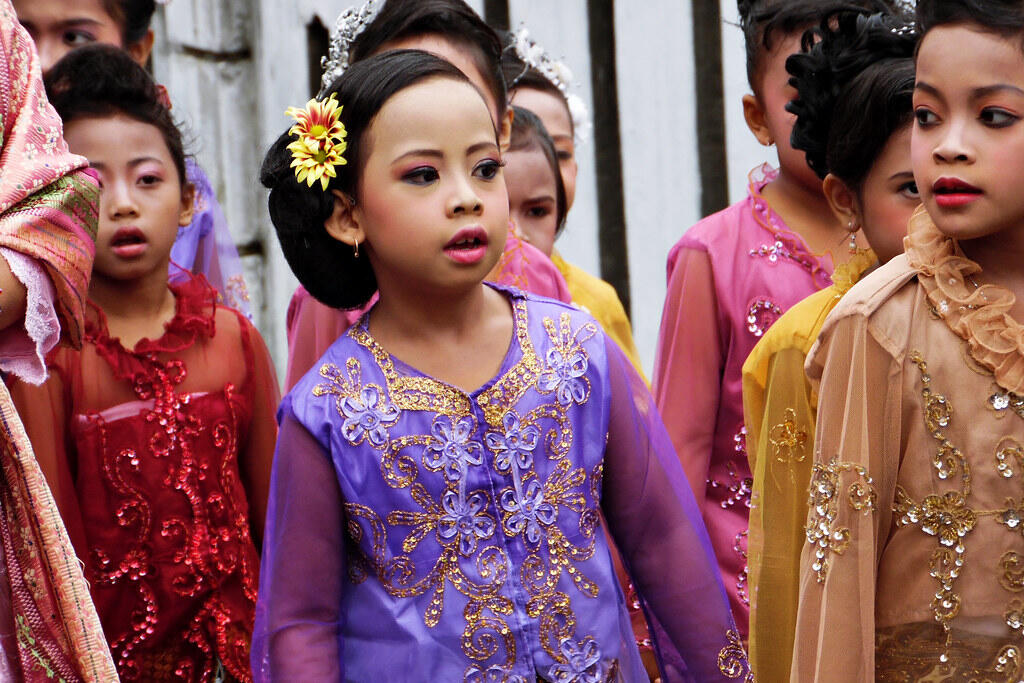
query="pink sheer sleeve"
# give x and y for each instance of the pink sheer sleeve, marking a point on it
(299, 621)
(658, 528)
(312, 328)
(23, 348)
(688, 368)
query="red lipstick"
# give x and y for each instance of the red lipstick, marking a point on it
(468, 246)
(128, 242)
(952, 193)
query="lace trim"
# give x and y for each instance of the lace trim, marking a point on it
(23, 350)
(977, 314)
(195, 302)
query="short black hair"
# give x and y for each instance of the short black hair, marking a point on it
(102, 80)
(1002, 17)
(528, 132)
(452, 20)
(133, 16)
(762, 20)
(855, 85)
(327, 268)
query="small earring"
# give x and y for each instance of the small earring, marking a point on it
(853, 236)
(355, 249)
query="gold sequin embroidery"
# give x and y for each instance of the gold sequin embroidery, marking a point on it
(824, 534)
(732, 659)
(787, 439)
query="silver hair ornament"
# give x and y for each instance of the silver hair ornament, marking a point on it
(347, 28)
(558, 73)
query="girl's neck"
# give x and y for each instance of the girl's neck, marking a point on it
(806, 212)
(135, 309)
(418, 313)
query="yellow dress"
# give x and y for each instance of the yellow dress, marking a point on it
(599, 299)
(779, 409)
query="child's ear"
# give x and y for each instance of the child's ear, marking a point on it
(843, 202)
(344, 224)
(505, 130)
(754, 114)
(140, 50)
(188, 204)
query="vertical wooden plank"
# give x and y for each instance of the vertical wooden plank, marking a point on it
(707, 46)
(743, 152)
(657, 92)
(496, 13)
(561, 27)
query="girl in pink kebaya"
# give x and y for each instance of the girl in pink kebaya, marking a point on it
(731, 276)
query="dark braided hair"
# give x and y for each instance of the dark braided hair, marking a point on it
(102, 80)
(326, 267)
(854, 82)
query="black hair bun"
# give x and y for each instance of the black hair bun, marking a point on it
(834, 54)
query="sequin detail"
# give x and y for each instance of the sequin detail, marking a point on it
(787, 439)
(732, 659)
(762, 314)
(533, 494)
(824, 532)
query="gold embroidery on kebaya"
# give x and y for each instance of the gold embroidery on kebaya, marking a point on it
(950, 519)
(460, 520)
(938, 413)
(1012, 566)
(824, 534)
(1003, 402)
(1009, 455)
(732, 659)
(787, 439)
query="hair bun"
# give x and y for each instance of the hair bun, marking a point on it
(835, 53)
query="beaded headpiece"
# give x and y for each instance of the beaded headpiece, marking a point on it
(558, 73)
(347, 28)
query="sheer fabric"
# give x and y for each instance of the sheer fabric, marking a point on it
(48, 626)
(205, 246)
(159, 460)
(912, 567)
(23, 348)
(730, 278)
(780, 410)
(599, 299)
(313, 326)
(416, 532)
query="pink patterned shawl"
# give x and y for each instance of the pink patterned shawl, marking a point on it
(48, 211)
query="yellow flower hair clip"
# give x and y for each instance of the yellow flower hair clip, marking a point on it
(321, 141)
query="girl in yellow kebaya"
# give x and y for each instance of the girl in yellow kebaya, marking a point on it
(853, 120)
(912, 569)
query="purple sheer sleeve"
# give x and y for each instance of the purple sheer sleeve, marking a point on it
(205, 246)
(297, 636)
(658, 528)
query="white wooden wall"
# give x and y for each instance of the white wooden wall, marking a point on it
(233, 66)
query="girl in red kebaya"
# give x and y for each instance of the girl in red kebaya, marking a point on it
(157, 436)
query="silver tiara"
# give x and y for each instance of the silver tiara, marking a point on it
(558, 73)
(350, 24)
(904, 29)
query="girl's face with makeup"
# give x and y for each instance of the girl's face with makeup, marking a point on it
(432, 203)
(888, 197)
(59, 26)
(142, 202)
(967, 145)
(531, 196)
(553, 112)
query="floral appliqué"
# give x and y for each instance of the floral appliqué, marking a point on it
(762, 314)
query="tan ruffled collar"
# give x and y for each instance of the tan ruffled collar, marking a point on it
(979, 315)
